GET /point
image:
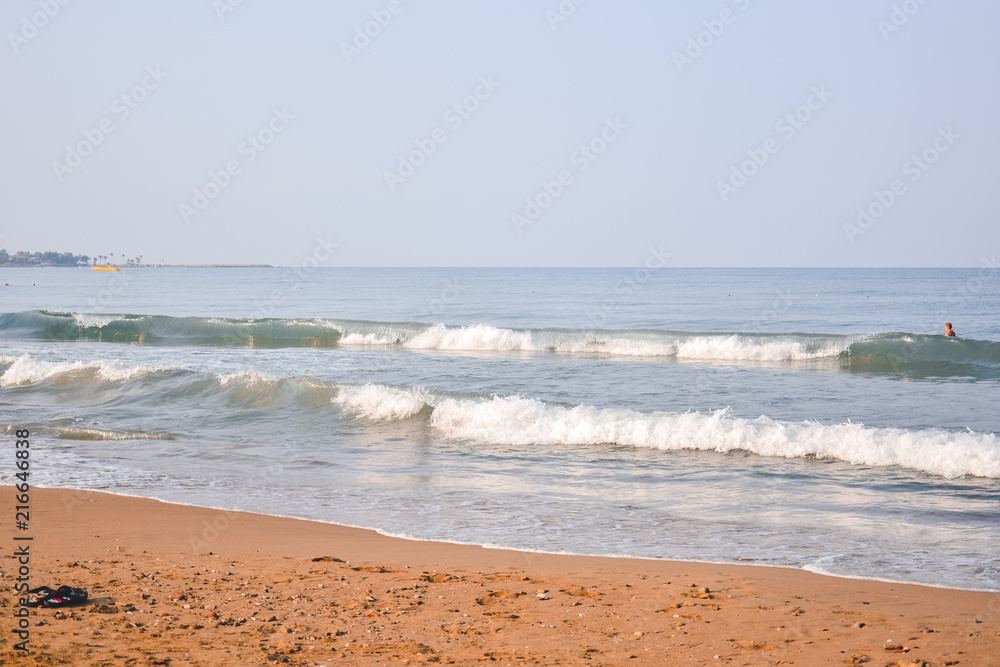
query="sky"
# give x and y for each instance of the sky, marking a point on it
(514, 133)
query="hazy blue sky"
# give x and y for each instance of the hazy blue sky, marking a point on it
(115, 113)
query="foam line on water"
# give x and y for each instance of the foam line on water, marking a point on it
(93, 434)
(874, 352)
(514, 420)
(381, 403)
(27, 370)
(679, 345)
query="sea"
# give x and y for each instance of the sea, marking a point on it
(803, 418)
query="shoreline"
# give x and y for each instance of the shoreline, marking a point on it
(208, 586)
(490, 547)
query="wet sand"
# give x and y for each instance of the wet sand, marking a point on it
(178, 585)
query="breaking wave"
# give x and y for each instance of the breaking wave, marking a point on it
(380, 403)
(27, 370)
(166, 330)
(878, 353)
(96, 379)
(514, 420)
(505, 420)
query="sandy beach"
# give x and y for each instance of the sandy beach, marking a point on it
(172, 584)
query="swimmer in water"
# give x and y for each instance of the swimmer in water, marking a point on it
(948, 331)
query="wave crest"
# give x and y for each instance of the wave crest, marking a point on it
(923, 354)
(514, 420)
(26, 370)
(381, 403)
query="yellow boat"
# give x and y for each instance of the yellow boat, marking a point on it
(106, 268)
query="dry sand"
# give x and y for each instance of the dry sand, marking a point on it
(176, 585)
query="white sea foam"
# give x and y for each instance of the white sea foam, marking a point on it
(734, 347)
(747, 348)
(520, 421)
(472, 338)
(245, 378)
(381, 403)
(96, 321)
(96, 434)
(28, 370)
(516, 420)
(487, 338)
(374, 339)
(618, 346)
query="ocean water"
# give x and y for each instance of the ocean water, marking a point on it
(806, 418)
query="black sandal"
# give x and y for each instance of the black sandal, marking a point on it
(37, 596)
(65, 596)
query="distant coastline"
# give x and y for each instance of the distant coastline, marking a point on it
(141, 266)
(196, 266)
(50, 258)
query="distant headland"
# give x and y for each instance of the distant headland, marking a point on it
(48, 258)
(68, 259)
